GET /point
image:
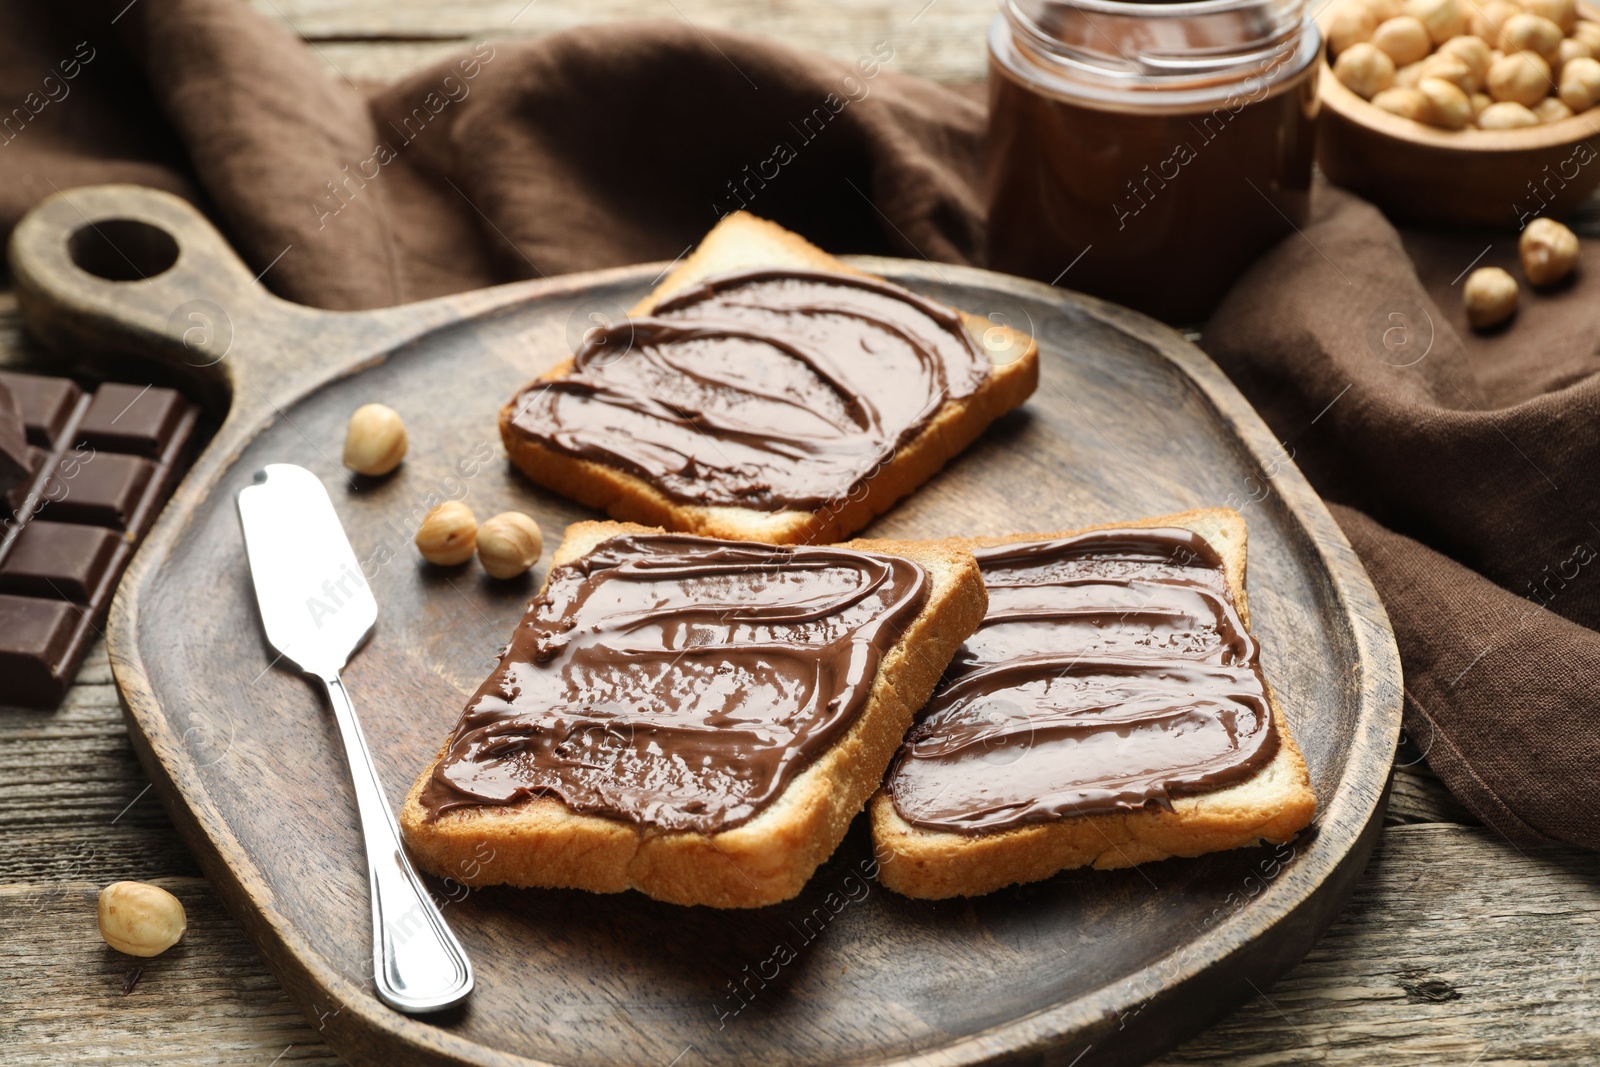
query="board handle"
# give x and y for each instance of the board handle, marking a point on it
(134, 270)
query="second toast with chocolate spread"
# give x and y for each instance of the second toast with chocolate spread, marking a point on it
(1110, 710)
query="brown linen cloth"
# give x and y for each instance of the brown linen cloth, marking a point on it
(1458, 466)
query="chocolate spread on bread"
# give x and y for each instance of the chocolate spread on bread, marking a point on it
(765, 389)
(679, 682)
(1112, 671)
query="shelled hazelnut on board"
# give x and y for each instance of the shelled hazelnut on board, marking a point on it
(1513, 64)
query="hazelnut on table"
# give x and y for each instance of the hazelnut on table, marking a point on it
(140, 919)
(1549, 251)
(1490, 297)
(1364, 69)
(448, 534)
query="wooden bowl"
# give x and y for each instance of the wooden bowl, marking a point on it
(1419, 173)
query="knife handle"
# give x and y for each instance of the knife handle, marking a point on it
(417, 963)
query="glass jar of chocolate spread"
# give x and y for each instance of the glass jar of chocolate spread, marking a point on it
(1148, 152)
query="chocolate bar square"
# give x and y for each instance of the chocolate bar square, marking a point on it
(60, 560)
(46, 404)
(35, 636)
(131, 418)
(105, 491)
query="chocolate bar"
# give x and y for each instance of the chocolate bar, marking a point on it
(13, 443)
(99, 465)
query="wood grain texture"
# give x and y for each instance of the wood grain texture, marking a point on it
(241, 756)
(363, 39)
(1434, 961)
(1420, 899)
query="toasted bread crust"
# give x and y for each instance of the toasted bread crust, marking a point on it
(738, 242)
(1273, 805)
(541, 842)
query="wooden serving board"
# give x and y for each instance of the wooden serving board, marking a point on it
(1086, 968)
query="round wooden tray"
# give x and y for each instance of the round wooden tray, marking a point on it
(1088, 967)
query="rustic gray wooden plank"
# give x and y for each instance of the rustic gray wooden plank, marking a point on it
(942, 39)
(1453, 947)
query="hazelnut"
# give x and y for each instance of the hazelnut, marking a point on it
(1387, 9)
(1490, 297)
(1530, 33)
(1572, 48)
(1448, 106)
(375, 440)
(1564, 13)
(1580, 84)
(1408, 76)
(140, 919)
(1404, 39)
(1589, 33)
(1480, 103)
(1549, 251)
(1364, 69)
(1352, 22)
(1521, 77)
(1451, 69)
(1507, 115)
(1494, 15)
(1407, 103)
(1551, 110)
(1443, 18)
(1471, 51)
(448, 534)
(509, 544)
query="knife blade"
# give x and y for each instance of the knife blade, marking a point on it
(317, 610)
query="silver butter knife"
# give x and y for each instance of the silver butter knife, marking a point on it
(317, 610)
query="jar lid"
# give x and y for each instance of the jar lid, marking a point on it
(1180, 52)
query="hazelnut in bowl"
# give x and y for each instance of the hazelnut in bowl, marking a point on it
(1462, 112)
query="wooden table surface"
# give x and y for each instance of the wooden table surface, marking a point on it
(1458, 948)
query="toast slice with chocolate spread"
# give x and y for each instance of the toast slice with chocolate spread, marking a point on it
(696, 719)
(1106, 714)
(766, 391)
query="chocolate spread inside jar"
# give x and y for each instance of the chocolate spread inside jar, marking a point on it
(679, 682)
(762, 389)
(1147, 153)
(1112, 671)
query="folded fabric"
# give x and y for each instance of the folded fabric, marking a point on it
(1462, 463)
